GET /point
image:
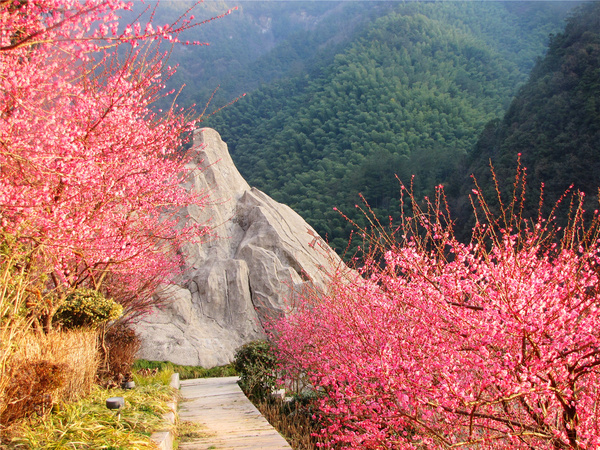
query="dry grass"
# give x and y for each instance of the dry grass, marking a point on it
(192, 430)
(14, 285)
(47, 369)
(76, 349)
(293, 421)
(9, 340)
(88, 424)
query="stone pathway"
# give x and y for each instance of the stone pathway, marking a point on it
(229, 420)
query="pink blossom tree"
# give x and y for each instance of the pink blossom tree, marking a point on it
(90, 175)
(493, 344)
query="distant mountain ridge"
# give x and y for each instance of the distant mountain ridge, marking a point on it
(259, 42)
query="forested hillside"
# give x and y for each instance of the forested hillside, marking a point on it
(259, 42)
(410, 94)
(554, 122)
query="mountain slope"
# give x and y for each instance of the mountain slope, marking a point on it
(257, 43)
(554, 121)
(410, 95)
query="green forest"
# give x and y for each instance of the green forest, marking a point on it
(344, 99)
(553, 122)
(410, 94)
(258, 43)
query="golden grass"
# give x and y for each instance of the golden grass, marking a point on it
(192, 430)
(76, 349)
(13, 293)
(47, 369)
(88, 424)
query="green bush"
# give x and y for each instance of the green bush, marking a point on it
(87, 308)
(256, 364)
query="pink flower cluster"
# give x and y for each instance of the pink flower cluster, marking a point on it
(440, 344)
(89, 174)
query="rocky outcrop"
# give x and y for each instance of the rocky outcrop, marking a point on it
(263, 256)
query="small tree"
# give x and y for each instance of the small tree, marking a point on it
(493, 344)
(90, 174)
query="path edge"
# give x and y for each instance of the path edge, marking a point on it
(164, 440)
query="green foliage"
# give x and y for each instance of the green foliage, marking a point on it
(145, 377)
(408, 96)
(553, 122)
(185, 372)
(87, 308)
(256, 364)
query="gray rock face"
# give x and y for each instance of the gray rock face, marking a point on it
(263, 256)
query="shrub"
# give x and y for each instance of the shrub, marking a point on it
(256, 364)
(32, 389)
(87, 308)
(47, 369)
(119, 345)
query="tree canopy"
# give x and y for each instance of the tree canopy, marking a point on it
(90, 176)
(554, 121)
(409, 95)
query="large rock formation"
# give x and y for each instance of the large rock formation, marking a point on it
(263, 256)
